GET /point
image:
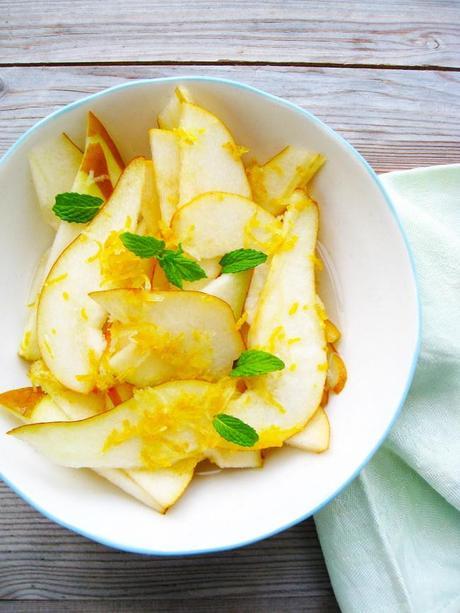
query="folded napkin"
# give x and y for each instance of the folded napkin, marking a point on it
(391, 540)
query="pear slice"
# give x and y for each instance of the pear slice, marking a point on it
(216, 223)
(209, 156)
(53, 166)
(169, 117)
(69, 323)
(229, 458)
(157, 489)
(315, 436)
(22, 402)
(165, 148)
(156, 429)
(274, 182)
(231, 288)
(289, 324)
(29, 349)
(73, 404)
(159, 336)
(336, 373)
(99, 171)
(259, 278)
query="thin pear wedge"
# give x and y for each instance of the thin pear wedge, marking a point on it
(69, 323)
(232, 288)
(216, 223)
(159, 336)
(315, 436)
(273, 183)
(157, 428)
(210, 160)
(29, 349)
(158, 489)
(169, 116)
(99, 171)
(53, 166)
(289, 324)
(165, 146)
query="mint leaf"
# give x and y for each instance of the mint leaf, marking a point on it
(142, 246)
(178, 267)
(242, 259)
(255, 362)
(76, 208)
(234, 430)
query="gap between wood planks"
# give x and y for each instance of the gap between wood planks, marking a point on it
(425, 67)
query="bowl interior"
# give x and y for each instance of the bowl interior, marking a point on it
(368, 288)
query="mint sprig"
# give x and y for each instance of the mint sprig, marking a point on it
(242, 259)
(234, 430)
(142, 246)
(76, 208)
(177, 266)
(255, 362)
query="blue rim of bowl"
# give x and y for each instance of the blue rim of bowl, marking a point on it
(374, 177)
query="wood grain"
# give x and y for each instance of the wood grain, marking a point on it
(397, 119)
(40, 560)
(401, 32)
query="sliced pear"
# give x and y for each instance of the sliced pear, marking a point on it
(29, 349)
(169, 117)
(151, 214)
(315, 436)
(166, 485)
(275, 181)
(69, 323)
(73, 404)
(165, 148)
(332, 332)
(169, 335)
(258, 280)
(228, 458)
(336, 373)
(215, 223)
(157, 428)
(231, 288)
(288, 324)
(22, 402)
(208, 160)
(53, 165)
(99, 171)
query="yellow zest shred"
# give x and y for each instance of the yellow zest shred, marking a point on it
(236, 151)
(293, 367)
(65, 295)
(175, 428)
(275, 338)
(293, 341)
(84, 314)
(120, 267)
(188, 137)
(293, 308)
(316, 261)
(242, 320)
(56, 280)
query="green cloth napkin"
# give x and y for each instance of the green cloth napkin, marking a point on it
(391, 540)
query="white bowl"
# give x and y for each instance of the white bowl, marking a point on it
(370, 292)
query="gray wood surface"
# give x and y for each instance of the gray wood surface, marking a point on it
(385, 74)
(39, 560)
(396, 118)
(401, 32)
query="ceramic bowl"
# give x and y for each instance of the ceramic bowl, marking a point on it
(369, 289)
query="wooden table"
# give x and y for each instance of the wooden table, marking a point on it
(386, 75)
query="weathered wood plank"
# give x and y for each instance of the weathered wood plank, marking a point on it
(40, 560)
(284, 604)
(397, 119)
(393, 32)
